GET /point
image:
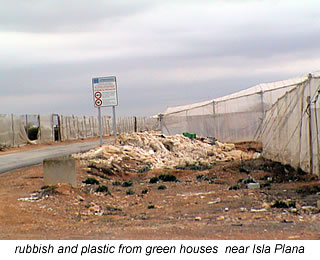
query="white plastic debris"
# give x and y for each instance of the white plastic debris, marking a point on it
(134, 150)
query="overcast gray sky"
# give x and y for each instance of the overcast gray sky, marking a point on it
(163, 53)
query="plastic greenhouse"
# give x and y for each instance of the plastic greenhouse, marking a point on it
(284, 115)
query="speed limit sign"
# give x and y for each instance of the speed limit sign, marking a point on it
(97, 94)
(98, 102)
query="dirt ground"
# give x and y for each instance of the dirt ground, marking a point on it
(210, 204)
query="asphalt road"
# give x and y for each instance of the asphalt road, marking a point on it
(12, 161)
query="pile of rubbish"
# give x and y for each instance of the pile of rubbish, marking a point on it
(139, 152)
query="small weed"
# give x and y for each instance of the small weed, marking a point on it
(247, 180)
(203, 177)
(144, 169)
(144, 191)
(307, 190)
(267, 184)
(91, 181)
(127, 169)
(265, 178)
(235, 187)
(244, 169)
(162, 187)
(130, 192)
(180, 167)
(127, 184)
(46, 190)
(103, 189)
(116, 183)
(195, 167)
(211, 181)
(168, 178)
(154, 180)
(198, 166)
(283, 205)
(292, 204)
(110, 208)
(151, 206)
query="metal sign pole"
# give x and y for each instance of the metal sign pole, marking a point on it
(114, 122)
(100, 125)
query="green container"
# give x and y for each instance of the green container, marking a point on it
(191, 136)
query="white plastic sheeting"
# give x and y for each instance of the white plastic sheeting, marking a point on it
(147, 124)
(12, 131)
(124, 125)
(232, 118)
(45, 134)
(73, 127)
(290, 130)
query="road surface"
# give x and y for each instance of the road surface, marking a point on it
(9, 162)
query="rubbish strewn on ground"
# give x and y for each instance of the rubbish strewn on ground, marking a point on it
(139, 152)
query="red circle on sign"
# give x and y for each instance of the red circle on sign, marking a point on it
(98, 94)
(98, 102)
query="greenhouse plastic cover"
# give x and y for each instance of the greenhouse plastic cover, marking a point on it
(264, 87)
(235, 117)
(290, 130)
(12, 131)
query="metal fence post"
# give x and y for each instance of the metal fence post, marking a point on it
(310, 134)
(12, 127)
(135, 124)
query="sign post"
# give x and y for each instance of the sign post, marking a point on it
(105, 95)
(100, 125)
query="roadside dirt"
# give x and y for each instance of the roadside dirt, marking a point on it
(28, 147)
(210, 204)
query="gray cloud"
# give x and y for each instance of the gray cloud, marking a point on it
(164, 53)
(59, 15)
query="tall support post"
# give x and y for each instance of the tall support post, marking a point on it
(262, 103)
(12, 127)
(259, 129)
(114, 122)
(317, 133)
(135, 124)
(215, 125)
(100, 125)
(161, 122)
(52, 127)
(310, 134)
(85, 125)
(27, 128)
(59, 128)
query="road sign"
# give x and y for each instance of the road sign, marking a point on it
(98, 102)
(105, 95)
(105, 91)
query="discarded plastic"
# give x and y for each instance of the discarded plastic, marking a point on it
(135, 150)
